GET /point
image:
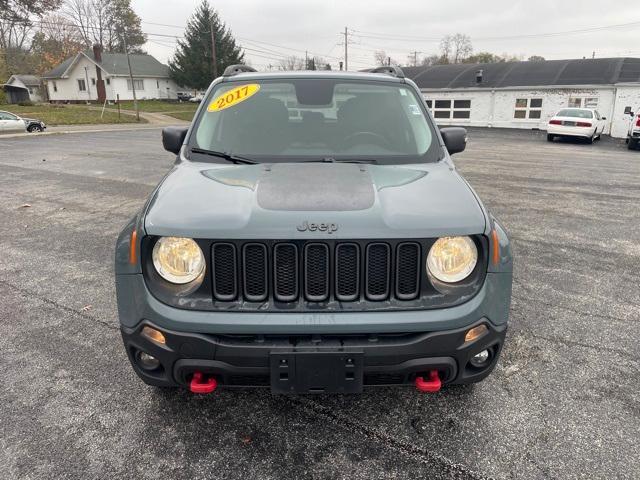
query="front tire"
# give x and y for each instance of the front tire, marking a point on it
(550, 138)
(34, 128)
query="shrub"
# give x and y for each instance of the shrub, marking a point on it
(28, 103)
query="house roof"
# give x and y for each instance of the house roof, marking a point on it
(598, 71)
(142, 65)
(28, 80)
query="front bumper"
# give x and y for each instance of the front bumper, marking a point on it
(236, 347)
(245, 360)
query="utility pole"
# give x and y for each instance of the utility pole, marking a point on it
(306, 60)
(389, 61)
(214, 56)
(133, 86)
(346, 43)
(415, 58)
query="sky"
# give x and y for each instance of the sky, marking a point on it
(275, 29)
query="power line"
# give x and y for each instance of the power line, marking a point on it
(385, 36)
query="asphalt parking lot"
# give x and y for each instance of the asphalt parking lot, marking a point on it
(564, 401)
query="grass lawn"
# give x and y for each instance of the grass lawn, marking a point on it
(159, 106)
(188, 116)
(68, 114)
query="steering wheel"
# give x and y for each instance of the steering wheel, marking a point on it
(374, 138)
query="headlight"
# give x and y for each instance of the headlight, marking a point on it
(452, 259)
(178, 260)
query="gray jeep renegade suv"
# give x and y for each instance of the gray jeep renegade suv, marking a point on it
(313, 236)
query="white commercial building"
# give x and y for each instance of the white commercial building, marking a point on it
(96, 76)
(528, 94)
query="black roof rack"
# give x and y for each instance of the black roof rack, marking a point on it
(389, 70)
(232, 70)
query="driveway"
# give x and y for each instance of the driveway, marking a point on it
(562, 403)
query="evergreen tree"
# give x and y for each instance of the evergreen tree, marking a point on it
(191, 65)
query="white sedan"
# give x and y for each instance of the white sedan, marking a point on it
(11, 123)
(576, 122)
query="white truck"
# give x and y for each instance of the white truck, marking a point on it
(633, 136)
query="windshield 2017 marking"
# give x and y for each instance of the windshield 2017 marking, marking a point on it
(320, 227)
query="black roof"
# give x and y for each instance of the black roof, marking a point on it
(592, 71)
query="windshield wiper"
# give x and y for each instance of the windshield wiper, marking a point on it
(341, 160)
(225, 155)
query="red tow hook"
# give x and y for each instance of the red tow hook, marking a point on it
(432, 385)
(199, 384)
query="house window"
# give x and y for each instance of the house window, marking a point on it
(93, 81)
(583, 102)
(55, 86)
(157, 84)
(458, 109)
(138, 83)
(528, 108)
(108, 81)
(82, 86)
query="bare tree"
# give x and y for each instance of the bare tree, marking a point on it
(104, 22)
(57, 40)
(536, 58)
(291, 62)
(16, 20)
(456, 48)
(381, 58)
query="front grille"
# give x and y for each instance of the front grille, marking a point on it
(225, 280)
(347, 272)
(377, 276)
(316, 272)
(255, 272)
(285, 260)
(408, 271)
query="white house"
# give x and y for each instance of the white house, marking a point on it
(96, 76)
(23, 88)
(527, 94)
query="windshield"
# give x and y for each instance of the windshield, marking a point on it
(313, 119)
(570, 112)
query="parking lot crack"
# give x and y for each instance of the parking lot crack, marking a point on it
(58, 305)
(421, 454)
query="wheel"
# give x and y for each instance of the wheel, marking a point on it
(34, 128)
(550, 137)
(590, 139)
(632, 144)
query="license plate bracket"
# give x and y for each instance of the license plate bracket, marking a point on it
(316, 371)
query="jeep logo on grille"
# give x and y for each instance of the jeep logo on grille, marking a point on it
(317, 227)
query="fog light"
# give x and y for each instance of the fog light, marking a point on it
(153, 334)
(475, 332)
(480, 359)
(148, 362)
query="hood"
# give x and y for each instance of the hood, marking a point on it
(313, 200)
(31, 120)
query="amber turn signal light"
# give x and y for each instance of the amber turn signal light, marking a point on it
(495, 247)
(133, 245)
(475, 332)
(153, 334)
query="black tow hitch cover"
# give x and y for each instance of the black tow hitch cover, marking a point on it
(315, 372)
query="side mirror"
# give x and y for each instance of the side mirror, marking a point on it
(627, 111)
(173, 138)
(603, 118)
(455, 139)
